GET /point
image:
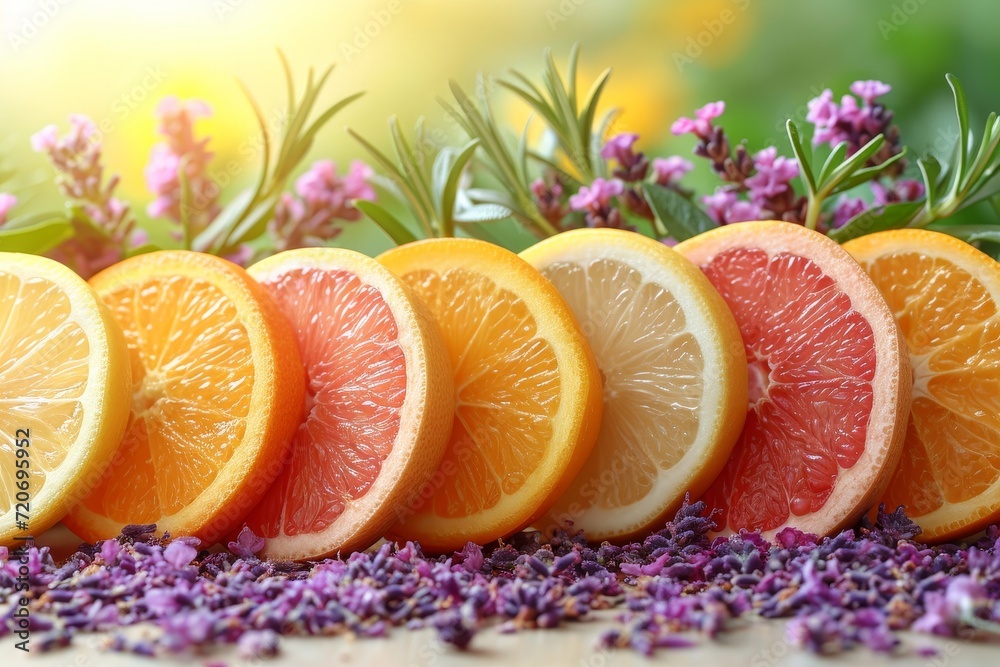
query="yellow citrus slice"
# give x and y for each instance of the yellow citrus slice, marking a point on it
(945, 295)
(674, 377)
(64, 386)
(217, 393)
(379, 403)
(527, 392)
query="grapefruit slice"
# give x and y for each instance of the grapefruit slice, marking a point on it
(379, 403)
(64, 388)
(527, 392)
(829, 379)
(216, 397)
(674, 378)
(945, 295)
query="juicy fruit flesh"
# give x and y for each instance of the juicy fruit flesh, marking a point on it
(952, 329)
(507, 388)
(356, 386)
(811, 361)
(192, 377)
(44, 367)
(652, 369)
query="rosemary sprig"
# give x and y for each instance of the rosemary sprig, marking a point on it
(508, 165)
(428, 180)
(245, 218)
(971, 177)
(838, 172)
(570, 120)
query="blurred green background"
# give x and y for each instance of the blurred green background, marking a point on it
(115, 59)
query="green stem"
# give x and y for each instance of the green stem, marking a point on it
(813, 209)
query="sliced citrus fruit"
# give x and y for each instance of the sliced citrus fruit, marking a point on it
(379, 403)
(217, 393)
(945, 295)
(64, 387)
(527, 392)
(674, 377)
(829, 379)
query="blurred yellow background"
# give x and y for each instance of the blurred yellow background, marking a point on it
(113, 60)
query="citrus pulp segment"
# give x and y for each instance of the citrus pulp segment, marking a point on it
(829, 379)
(674, 378)
(64, 387)
(379, 403)
(527, 391)
(945, 295)
(217, 394)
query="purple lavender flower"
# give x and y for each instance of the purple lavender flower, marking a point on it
(7, 202)
(772, 177)
(595, 201)
(549, 200)
(247, 544)
(597, 197)
(179, 554)
(869, 90)
(182, 150)
(669, 171)
(856, 124)
(701, 124)
(77, 160)
(846, 209)
(632, 166)
(324, 198)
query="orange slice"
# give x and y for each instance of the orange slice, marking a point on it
(829, 379)
(945, 295)
(527, 392)
(64, 386)
(675, 378)
(379, 403)
(217, 394)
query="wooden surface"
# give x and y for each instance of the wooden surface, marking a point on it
(755, 644)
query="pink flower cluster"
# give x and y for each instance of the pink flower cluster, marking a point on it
(324, 197)
(77, 159)
(769, 191)
(7, 202)
(670, 170)
(701, 124)
(181, 150)
(853, 122)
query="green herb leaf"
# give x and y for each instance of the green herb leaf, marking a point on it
(386, 221)
(930, 170)
(800, 154)
(962, 111)
(36, 238)
(225, 222)
(970, 233)
(891, 216)
(679, 216)
(484, 213)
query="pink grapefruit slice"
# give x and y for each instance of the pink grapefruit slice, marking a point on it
(378, 408)
(829, 379)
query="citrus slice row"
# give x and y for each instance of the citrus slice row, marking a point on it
(64, 384)
(945, 295)
(379, 403)
(527, 391)
(673, 371)
(829, 379)
(216, 396)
